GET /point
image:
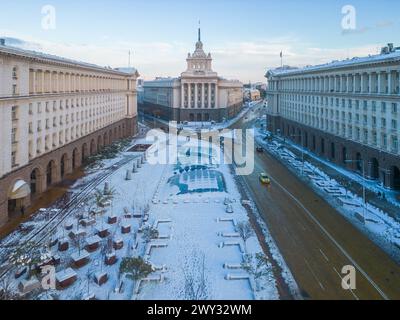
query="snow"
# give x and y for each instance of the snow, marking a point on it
(191, 227)
(338, 64)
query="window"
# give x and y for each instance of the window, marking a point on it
(14, 135)
(15, 73)
(394, 107)
(30, 109)
(14, 113)
(14, 89)
(39, 107)
(383, 107)
(395, 144)
(14, 158)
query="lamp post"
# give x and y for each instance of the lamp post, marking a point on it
(363, 185)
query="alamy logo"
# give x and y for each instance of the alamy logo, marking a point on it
(349, 279)
(202, 148)
(349, 20)
(49, 17)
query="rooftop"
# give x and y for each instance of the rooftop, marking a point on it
(45, 57)
(336, 64)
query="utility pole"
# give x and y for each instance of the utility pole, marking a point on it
(364, 191)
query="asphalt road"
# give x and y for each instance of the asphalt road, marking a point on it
(315, 240)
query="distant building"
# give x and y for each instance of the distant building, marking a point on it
(345, 111)
(197, 95)
(251, 94)
(55, 112)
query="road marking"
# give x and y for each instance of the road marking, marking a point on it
(344, 252)
(324, 255)
(352, 292)
(316, 278)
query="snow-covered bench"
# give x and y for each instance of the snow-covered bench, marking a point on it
(153, 245)
(152, 278)
(232, 266)
(229, 234)
(231, 276)
(226, 219)
(157, 222)
(232, 244)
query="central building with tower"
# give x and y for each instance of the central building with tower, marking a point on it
(198, 95)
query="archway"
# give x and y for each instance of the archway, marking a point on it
(92, 147)
(105, 139)
(84, 152)
(75, 158)
(374, 169)
(99, 143)
(17, 196)
(396, 178)
(344, 154)
(199, 117)
(359, 162)
(35, 182)
(191, 117)
(64, 165)
(50, 173)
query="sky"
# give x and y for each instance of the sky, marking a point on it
(245, 37)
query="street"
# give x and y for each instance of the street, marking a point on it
(315, 240)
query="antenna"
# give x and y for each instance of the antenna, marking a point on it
(129, 58)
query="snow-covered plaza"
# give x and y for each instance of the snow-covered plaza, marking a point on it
(188, 222)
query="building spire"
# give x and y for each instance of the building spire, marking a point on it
(199, 32)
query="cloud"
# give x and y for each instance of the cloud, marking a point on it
(246, 60)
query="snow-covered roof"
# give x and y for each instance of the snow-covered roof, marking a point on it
(356, 61)
(45, 57)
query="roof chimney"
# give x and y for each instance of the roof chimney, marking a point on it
(2, 42)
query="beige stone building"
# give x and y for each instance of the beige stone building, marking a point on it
(199, 94)
(54, 113)
(345, 111)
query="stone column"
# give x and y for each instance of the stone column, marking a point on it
(182, 95)
(379, 82)
(202, 95)
(389, 84)
(189, 95)
(34, 82)
(195, 95)
(209, 95)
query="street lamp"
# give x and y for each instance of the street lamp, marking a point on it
(363, 185)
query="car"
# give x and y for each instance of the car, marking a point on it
(259, 149)
(264, 179)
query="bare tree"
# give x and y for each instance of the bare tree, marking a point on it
(256, 265)
(245, 231)
(196, 286)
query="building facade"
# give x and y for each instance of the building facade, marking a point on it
(199, 94)
(345, 111)
(54, 113)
